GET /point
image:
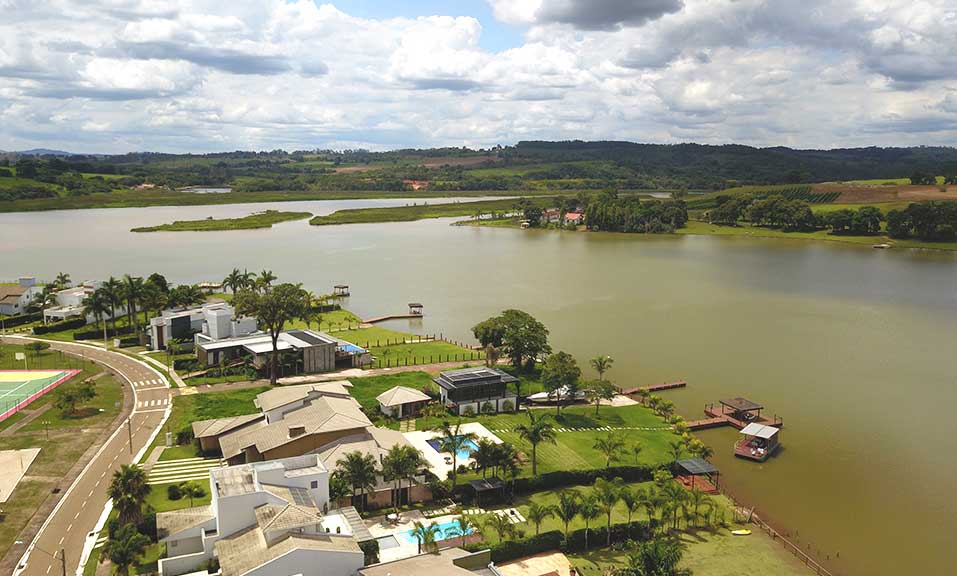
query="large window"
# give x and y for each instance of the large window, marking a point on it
(477, 392)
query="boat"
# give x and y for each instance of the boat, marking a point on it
(881, 246)
(743, 532)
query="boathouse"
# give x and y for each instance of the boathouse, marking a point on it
(758, 443)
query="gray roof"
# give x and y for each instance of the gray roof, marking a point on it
(373, 441)
(465, 377)
(246, 550)
(400, 395)
(217, 426)
(176, 521)
(282, 395)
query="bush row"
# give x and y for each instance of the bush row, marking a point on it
(21, 319)
(555, 540)
(60, 326)
(96, 334)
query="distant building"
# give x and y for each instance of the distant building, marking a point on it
(265, 518)
(472, 388)
(574, 218)
(15, 298)
(416, 184)
(552, 216)
(316, 351)
(207, 323)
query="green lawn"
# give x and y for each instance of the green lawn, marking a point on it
(161, 503)
(365, 390)
(264, 219)
(177, 453)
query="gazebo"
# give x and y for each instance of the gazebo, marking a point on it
(415, 309)
(484, 486)
(759, 442)
(741, 409)
(700, 472)
(340, 290)
(402, 402)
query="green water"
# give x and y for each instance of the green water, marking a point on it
(854, 347)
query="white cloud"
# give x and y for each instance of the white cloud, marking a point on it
(114, 75)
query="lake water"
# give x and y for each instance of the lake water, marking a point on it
(854, 347)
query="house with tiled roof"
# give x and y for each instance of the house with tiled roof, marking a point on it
(15, 298)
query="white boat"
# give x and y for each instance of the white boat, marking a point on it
(881, 246)
(562, 393)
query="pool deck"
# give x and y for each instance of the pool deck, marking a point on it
(420, 440)
(380, 528)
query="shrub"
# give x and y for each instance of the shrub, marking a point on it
(60, 326)
(97, 334)
(507, 406)
(371, 550)
(469, 412)
(173, 492)
(488, 408)
(512, 549)
(21, 319)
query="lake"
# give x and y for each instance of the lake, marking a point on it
(854, 347)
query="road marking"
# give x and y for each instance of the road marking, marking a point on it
(48, 568)
(60, 543)
(77, 514)
(70, 527)
(90, 494)
(81, 506)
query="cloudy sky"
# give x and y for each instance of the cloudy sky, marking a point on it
(194, 76)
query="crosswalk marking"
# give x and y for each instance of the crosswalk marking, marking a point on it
(152, 403)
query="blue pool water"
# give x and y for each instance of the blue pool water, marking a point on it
(446, 530)
(463, 453)
(351, 348)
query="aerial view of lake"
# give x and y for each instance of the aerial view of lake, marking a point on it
(853, 347)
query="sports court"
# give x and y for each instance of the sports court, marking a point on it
(18, 388)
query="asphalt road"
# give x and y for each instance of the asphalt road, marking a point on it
(71, 523)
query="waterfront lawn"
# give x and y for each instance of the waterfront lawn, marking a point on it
(423, 353)
(264, 219)
(365, 390)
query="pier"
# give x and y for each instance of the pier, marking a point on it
(736, 412)
(656, 387)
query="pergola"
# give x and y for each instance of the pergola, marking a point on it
(486, 486)
(415, 309)
(741, 408)
(340, 290)
(700, 467)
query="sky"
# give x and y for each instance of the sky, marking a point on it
(113, 76)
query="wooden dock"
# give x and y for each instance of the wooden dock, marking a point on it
(656, 387)
(390, 317)
(717, 418)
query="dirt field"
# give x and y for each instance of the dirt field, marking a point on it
(866, 194)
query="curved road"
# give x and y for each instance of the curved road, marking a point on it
(76, 515)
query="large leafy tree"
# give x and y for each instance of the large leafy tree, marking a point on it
(129, 490)
(524, 338)
(69, 397)
(597, 391)
(539, 429)
(560, 376)
(273, 309)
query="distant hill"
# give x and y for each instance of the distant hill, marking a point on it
(42, 152)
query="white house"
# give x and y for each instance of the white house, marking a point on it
(69, 303)
(15, 298)
(211, 322)
(265, 518)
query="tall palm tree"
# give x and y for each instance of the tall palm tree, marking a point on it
(234, 280)
(606, 494)
(636, 449)
(537, 513)
(62, 280)
(186, 295)
(539, 429)
(631, 501)
(568, 507)
(410, 466)
(697, 500)
(124, 549)
(129, 490)
(264, 280)
(113, 290)
(501, 524)
(610, 446)
(97, 304)
(676, 449)
(132, 292)
(590, 509)
(452, 441)
(650, 500)
(359, 470)
(674, 496)
(401, 463)
(602, 364)
(153, 299)
(426, 535)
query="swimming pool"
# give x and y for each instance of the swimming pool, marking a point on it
(351, 348)
(463, 452)
(446, 530)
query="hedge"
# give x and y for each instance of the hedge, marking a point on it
(97, 334)
(60, 326)
(21, 319)
(555, 540)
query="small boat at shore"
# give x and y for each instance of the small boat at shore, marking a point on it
(743, 532)
(881, 246)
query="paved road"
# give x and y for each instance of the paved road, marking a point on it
(77, 514)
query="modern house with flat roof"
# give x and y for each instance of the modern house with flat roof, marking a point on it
(265, 518)
(317, 351)
(320, 419)
(207, 323)
(475, 388)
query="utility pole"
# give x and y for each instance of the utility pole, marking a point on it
(63, 560)
(129, 430)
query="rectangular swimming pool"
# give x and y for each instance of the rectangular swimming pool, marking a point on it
(446, 530)
(463, 452)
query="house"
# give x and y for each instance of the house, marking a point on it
(574, 218)
(553, 216)
(471, 389)
(315, 351)
(15, 298)
(416, 184)
(402, 402)
(69, 303)
(265, 518)
(448, 562)
(320, 419)
(207, 323)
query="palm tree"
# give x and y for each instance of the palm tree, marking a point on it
(650, 500)
(129, 489)
(636, 450)
(359, 471)
(264, 280)
(602, 364)
(674, 495)
(452, 441)
(46, 297)
(590, 509)
(463, 526)
(656, 558)
(112, 290)
(607, 493)
(132, 292)
(62, 280)
(401, 463)
(191, 491)
(97, 304)
(643, 394)
(631, 500)
(425, 535)
(568, 507)
(234, 280)
(501, 524)
(610, 446)
(152, 299)
(485, 456)
(125, 548)
(676, 449)
(538, 430)
(537, 514)
(186, 295)
(698, 499)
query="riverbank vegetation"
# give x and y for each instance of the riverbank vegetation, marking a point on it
(423, 211)
(264, 219)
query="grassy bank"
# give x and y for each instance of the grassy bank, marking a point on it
(421, 211)
(258, 220)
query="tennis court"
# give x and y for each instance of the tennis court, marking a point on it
(18, 388)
